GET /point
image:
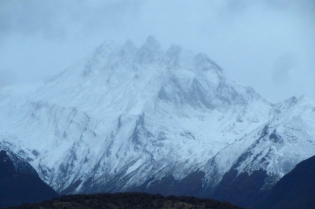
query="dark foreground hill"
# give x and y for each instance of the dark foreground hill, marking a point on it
(127, 200)
(295, 190)
(20, 183)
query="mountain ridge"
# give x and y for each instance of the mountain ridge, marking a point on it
(129, 115)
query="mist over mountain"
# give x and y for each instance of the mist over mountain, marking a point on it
(143, 119)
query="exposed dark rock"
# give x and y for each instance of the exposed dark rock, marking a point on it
(19, 182)
(191, 185)
(293, 191)
(241, 188)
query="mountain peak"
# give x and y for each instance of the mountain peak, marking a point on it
(191, 112)
(129, 44)
(105, 48)
(150, 51)
(151, 43)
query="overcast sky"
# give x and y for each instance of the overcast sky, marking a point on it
(266, 44)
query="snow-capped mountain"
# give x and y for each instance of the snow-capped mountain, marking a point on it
(128, 117)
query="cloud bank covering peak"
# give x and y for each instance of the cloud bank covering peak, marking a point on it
(266, 44)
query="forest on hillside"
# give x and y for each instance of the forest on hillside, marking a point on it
(127, 201)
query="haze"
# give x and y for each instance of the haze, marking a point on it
(266, 44)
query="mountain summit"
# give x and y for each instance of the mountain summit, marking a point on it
(130, 119)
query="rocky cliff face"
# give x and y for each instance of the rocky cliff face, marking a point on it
(132, 118)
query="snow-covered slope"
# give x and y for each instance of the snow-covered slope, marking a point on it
(128, 114)
(284, 140)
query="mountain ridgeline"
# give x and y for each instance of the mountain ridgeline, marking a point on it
(143, 119)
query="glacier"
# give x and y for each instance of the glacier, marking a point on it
(127, 115)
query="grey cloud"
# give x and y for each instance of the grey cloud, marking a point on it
(282, 68)
(7, 77)
(57, 19)
(28, 17)
(247, 38)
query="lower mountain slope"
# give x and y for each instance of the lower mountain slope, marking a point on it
(241, 189)
(294, 191)
(19, 182)
(267, 154)
(128, 200)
